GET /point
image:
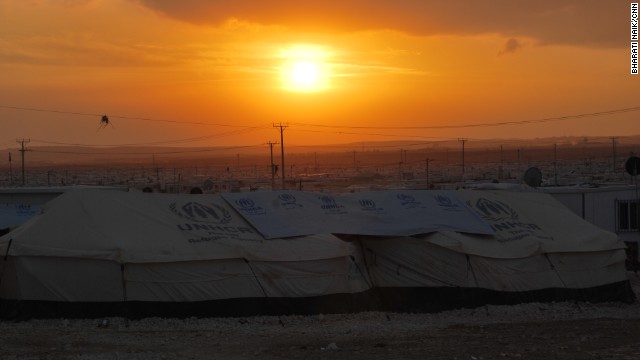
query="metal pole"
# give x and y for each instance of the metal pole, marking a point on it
(273, 167)
(282, 165)
(10, 171)
(355, 167)
(613, 154)
(462, 141)
(427, 170)
(501, 164)
(22, 151)
(273, 180)
(555, 162)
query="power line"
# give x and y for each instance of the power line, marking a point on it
(120, 116)
(252, 128)
(490, 124)
(145, 153)
(368, 134)
(177, 141)
(503, 123)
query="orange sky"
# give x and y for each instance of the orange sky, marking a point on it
(200, 73)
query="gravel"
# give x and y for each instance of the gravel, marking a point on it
(564, 330)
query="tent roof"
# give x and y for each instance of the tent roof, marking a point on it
(525, 224)
(144, 227)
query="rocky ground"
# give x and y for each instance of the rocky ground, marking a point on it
(526, 331)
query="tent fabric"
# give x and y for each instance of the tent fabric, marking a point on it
(142, 227)
(525, 224)
(93, 246)
(413, 262)
(537, 244)
(99, 247)
(408, 262)
(378, 213)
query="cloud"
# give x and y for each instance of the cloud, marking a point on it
(511, 46)
(592, 23)
(83, 50)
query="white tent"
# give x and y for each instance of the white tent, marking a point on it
(540, 251)
(92, 247)
(139, 254)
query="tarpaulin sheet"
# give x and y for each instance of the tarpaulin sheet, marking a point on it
(379, 213)
(16, 214)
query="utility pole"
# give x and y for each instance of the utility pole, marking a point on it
(426, 170)
(401, 164)
(282, 127)
(555, 162)
(518, 151)
(10, 171)
(22, 151)
(500, 176)
(613, 154)
(462, 140)
(273, 167)
(355, 166)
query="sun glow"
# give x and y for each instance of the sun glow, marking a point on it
(305, 68)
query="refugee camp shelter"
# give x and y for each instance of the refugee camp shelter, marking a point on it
(540, 251)
(99, 253)
(102, 253)
(19, 204)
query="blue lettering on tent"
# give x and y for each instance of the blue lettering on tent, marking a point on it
(207, 227)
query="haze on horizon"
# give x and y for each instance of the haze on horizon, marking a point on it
(221, 73)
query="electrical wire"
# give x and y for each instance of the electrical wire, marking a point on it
(245, 129)
(166, 142)
(502, 123)
(120, 116)
(148, 152)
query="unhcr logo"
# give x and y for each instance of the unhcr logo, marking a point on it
(195, 211)
(245, 203)
(507, 222)
(287, 198)
(288, 201)
(329, 203)
(405, 198)
(445, 202)
(495, 210)
(407, 201)
(367, 204)
(248, 207)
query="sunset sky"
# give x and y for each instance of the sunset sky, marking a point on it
(205, 73)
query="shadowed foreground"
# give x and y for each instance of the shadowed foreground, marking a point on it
(526, 331)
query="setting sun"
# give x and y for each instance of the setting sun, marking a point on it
(219, 73)
(305, 69)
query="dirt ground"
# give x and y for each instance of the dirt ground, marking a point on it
(526, 331)
(602, 338)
